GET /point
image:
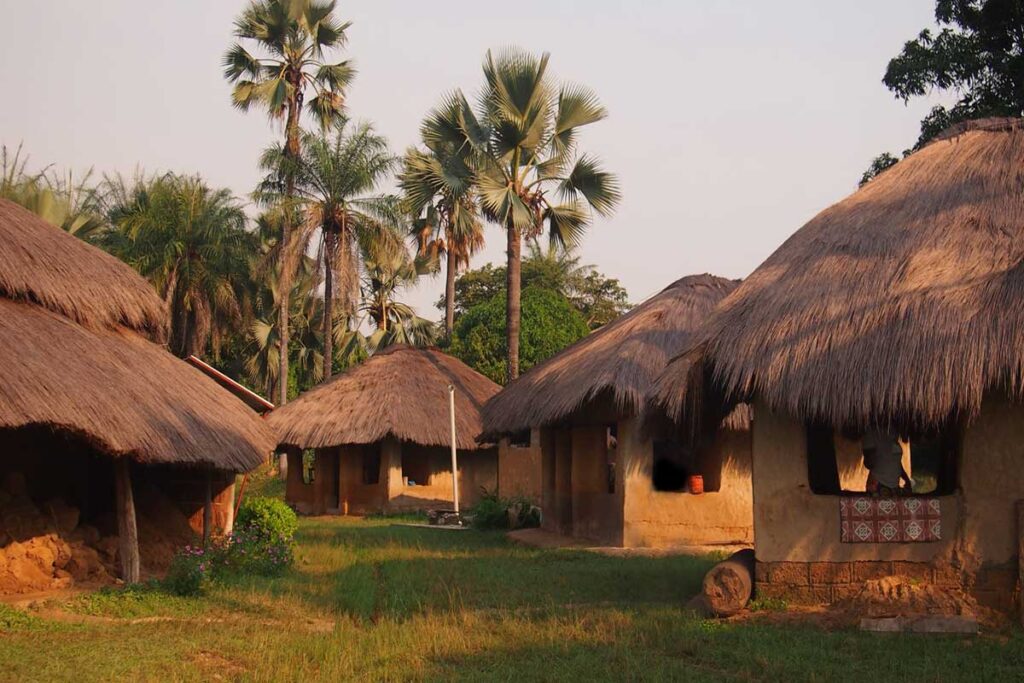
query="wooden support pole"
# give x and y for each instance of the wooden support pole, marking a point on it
(208, 507)
(1020, 560)
(128, 534)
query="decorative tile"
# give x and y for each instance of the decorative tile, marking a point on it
(866, 519)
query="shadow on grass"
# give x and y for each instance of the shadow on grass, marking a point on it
(396, 572)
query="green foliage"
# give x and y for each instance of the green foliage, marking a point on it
(978, 54)
(191, 243)
(13, 619)
(191, 571)
(495, 512)
(599, 299)
(549, 324)
(768, 605)
(880, 163)
(267, 518)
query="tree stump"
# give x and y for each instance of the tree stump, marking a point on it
(729, 584)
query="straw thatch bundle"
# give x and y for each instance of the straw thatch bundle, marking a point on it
(400, 392)
(56, 270)
(621, 359)
(71, 363)
(901, 305)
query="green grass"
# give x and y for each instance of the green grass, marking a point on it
(372, 600)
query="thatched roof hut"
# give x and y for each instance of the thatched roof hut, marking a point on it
(620, 360)
(901, 305)
(400, 392)
(74, 323)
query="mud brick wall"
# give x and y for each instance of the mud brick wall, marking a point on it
(821, 583)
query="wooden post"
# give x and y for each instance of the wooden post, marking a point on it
(455, 457)
(1020, 560)
(208, 507)
(128, 534)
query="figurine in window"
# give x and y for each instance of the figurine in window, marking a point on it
(883, 456)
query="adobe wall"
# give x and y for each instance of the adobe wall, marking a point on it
(358, 498)
(297, 492)
(596, 512)
(556, 480)
(477, 470)
(662, 519)
(519, 469)
(797, 532)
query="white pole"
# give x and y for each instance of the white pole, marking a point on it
(455, 457)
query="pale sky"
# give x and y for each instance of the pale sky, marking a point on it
(731, 123)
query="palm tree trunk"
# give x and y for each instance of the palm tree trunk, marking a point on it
(291, 151)
(513, 301)
(328, 304)
(449, 295)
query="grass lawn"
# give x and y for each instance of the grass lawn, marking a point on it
(370, 600)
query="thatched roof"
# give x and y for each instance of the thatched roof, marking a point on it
(100, 381)
(400, 392)
(900, 305)
(621, 359)
(55, 269)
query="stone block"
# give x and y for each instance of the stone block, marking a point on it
(831, 572)
(866, 571)
(808, 595)
(843, 592)
(946, 575)
(920, 571)
(789, 573)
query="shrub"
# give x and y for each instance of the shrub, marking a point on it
(495, 512)
(267, 519)
(191, 570)
(248, 551)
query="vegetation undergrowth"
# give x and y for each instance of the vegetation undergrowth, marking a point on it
(495, 512)
(368, 599)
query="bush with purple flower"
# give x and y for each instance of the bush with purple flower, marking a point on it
(262, 543)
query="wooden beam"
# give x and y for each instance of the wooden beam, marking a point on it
(208, 508)
(127, 531)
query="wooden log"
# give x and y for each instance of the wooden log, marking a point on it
(127, 531)
(729, 584)
(208, 507)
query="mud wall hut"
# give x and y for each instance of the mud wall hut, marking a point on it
(110, 444)
(606, 475)
(376, 438)
(898, 310)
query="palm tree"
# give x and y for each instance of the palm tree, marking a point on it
(66, 203)
(335, 179)
(293, 37)
(522, 141)
(386, 272)
(191, 243)
(438, 188)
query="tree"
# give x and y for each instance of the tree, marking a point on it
(292, 38)
(880, 163)
(549, 324)
(522, 140)
(387, 272)
(438, 188)
(978, 54)
(334, 178)
(191, 243)
(64, 202)
(599, 299)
